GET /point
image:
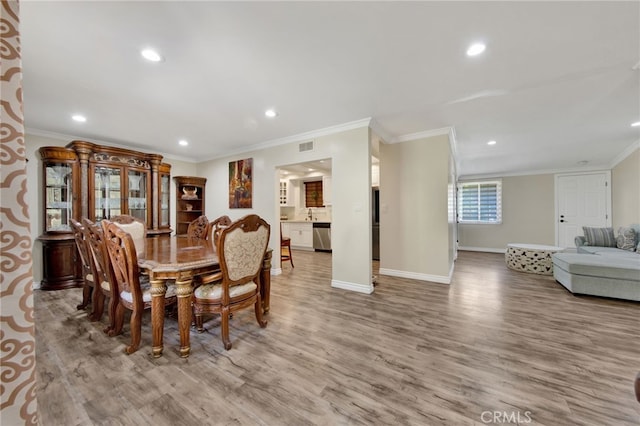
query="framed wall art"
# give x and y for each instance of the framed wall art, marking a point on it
(240, 184)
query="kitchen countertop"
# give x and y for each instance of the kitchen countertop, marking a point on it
(305, 221)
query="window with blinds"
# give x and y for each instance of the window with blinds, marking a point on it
(480, 202)
(313, 194)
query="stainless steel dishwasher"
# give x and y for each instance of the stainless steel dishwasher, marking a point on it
(322, 236)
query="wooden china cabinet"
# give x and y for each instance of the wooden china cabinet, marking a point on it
(61, 262)
(97, 182)
(189, 201)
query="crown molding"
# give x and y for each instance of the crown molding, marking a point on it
(68, 138)
(625, 153)
(298, 137)
(594, 168)
(422, 135)
(382, 133)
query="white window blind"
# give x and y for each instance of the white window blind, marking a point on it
(480, 202)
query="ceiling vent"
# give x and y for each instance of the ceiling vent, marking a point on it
(305, 146)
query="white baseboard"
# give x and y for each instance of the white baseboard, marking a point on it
(36, 285)
(484, 249)
(302, 248)
(360, 288)
(276, 271)
(442, 279)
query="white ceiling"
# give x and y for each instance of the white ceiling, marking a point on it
(554, 87)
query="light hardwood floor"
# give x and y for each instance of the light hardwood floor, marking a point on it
(419, 353)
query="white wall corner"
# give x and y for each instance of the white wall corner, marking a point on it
(381, 132)
(441, 279)
(357, 287)
(276, 271)
(483, 249)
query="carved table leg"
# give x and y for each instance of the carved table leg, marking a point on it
(265, 287)
(158, 290)
(184, 291)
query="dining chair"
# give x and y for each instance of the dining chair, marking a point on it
(215, 226)
(285, 248)
(102, 269)
(88, 279)
(241, 249)
(134, 226)
(198, 228)
(134, 295)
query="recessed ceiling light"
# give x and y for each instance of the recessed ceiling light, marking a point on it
(271, 113)
(636, 124)
(310, 170)
(183, 142)
(476, 49)
(151, 55)
(492, 143)
(79, 118)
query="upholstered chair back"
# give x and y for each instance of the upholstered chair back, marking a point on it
(135, 227)
(241, 248)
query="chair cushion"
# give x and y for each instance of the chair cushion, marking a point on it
(137, 232)
(145, 286)
(214, 291)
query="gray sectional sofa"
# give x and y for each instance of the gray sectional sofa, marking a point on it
(600, 271)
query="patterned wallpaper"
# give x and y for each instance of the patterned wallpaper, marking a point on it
(17, 339)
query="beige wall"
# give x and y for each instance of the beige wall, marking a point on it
(625, 191)
(414, 232)
(527, 216)
(351, 212)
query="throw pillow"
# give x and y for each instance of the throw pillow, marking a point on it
(626, 239)
(599, 237)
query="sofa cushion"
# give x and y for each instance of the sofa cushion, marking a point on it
(612, 251)
(626, 239)
(607, 266)
(602, 237)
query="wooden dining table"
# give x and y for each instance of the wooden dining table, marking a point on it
(180, 259)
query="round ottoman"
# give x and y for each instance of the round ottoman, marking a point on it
(532, 258)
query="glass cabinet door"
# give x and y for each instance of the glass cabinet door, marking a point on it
(137, 197)
(58, 196)
(107, 193)
(164, 200)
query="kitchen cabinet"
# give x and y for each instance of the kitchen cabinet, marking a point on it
(326, 190)
(283, 192)
(189, 201)
(289, 192)
(301, 234)
(98, 182)
(375, 175)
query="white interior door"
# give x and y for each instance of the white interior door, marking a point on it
(581, 200)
